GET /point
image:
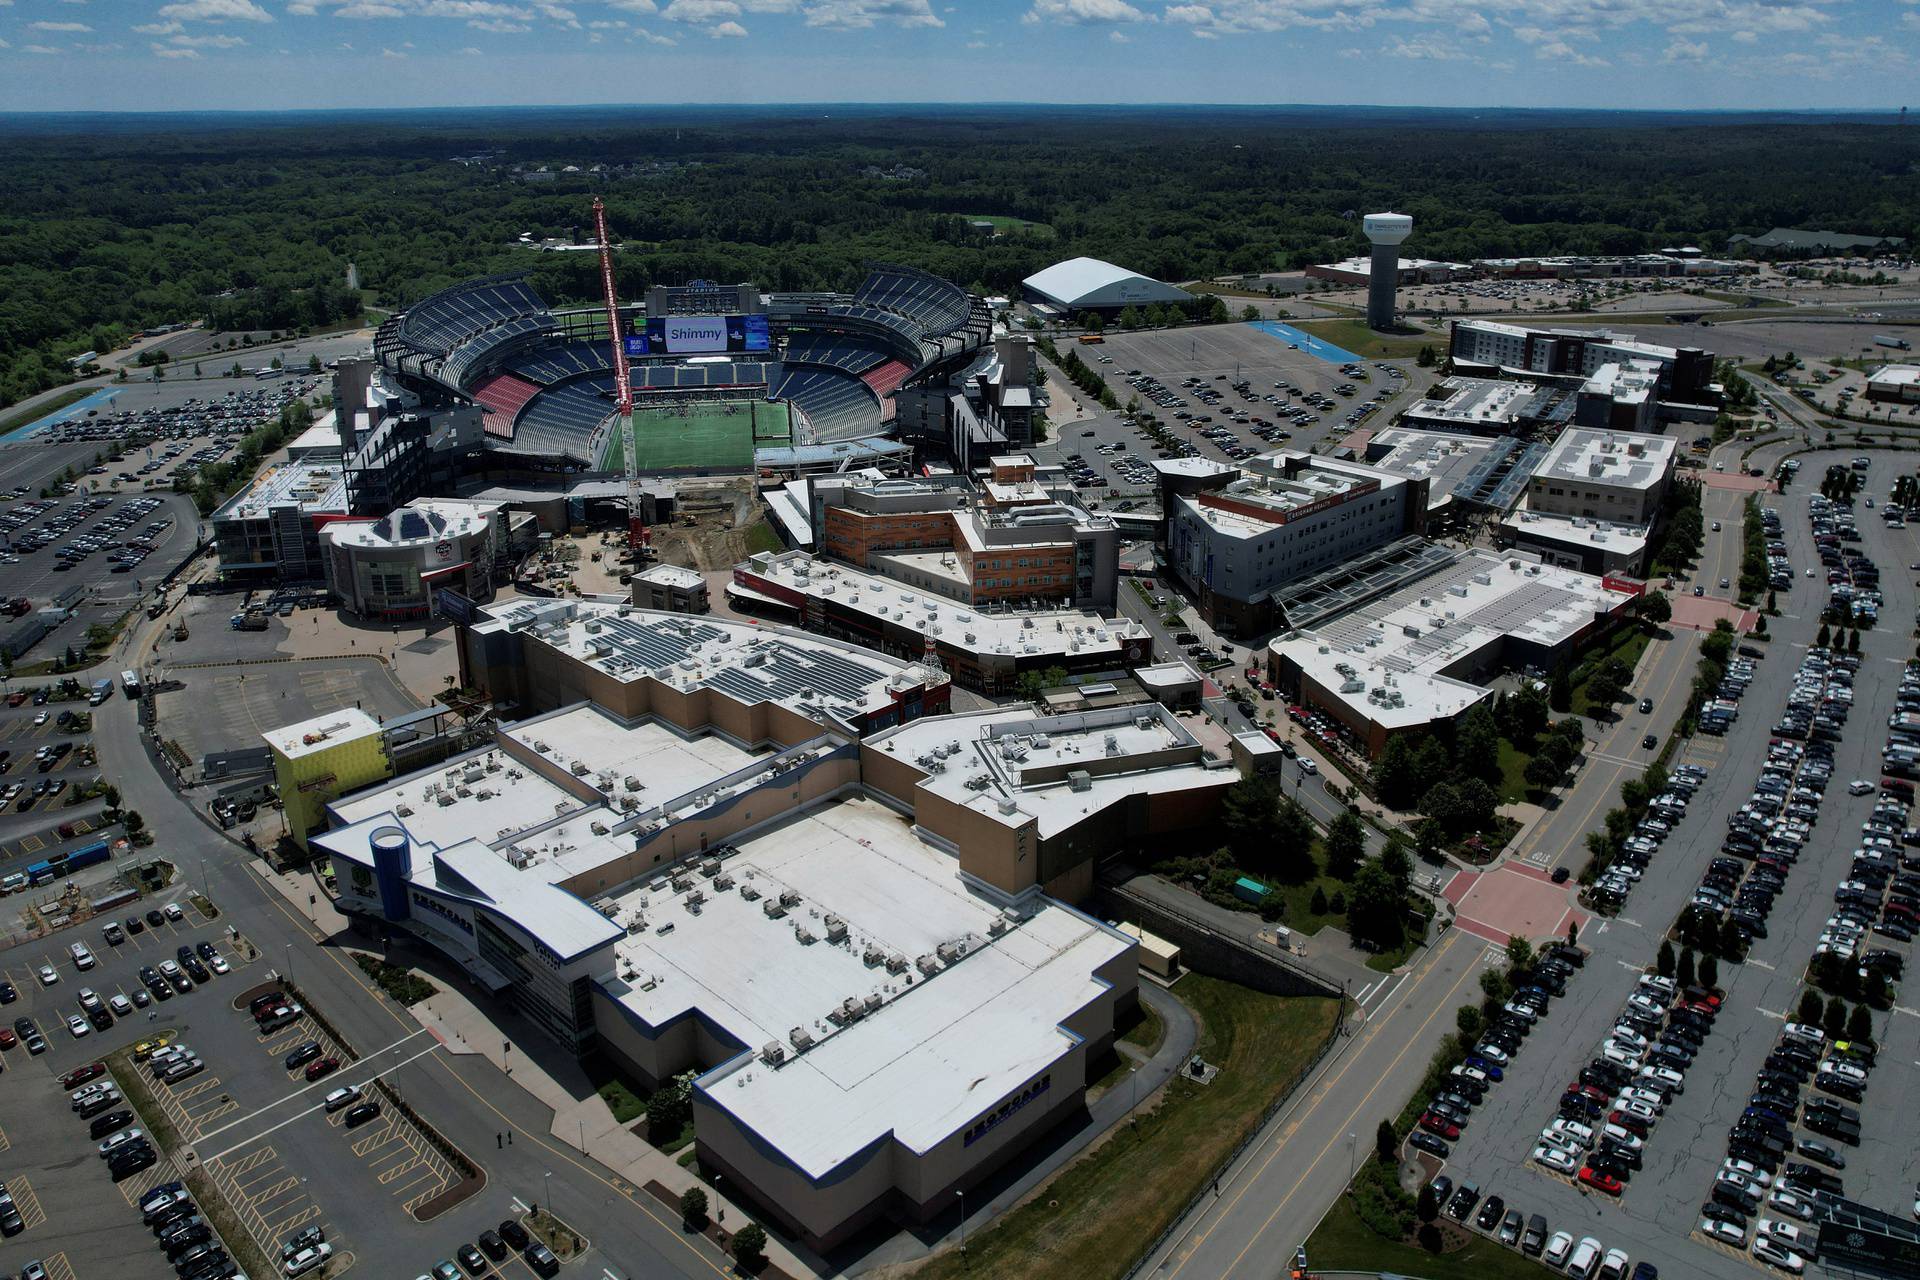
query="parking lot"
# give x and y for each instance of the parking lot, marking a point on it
(1217, 356)
(1659, 1211)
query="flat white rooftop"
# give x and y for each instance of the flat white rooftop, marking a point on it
(1475, 402)
(1621, 459)
(821, 678)
(321, 733)
(1582, 531)
(931, 1046)
(672, 575)
(1895, 375)
(1026, 631)
(308, 484)
(1386, 695)
(1009, 765)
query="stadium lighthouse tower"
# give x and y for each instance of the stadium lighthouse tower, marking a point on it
(1386, 231)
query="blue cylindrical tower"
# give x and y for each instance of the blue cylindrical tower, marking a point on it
(392, 863)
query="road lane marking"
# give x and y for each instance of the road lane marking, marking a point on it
(315, 1107)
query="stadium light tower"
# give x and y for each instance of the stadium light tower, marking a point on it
(1386, 231)
(622, 384)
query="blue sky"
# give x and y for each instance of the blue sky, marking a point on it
(125, 55)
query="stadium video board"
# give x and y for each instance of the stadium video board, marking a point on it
(698, 335)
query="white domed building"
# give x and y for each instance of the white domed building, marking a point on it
(391, 567)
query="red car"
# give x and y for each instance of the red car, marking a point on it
(80, 1075)
(320, 1067)
(1593, 1091)
(7, 1038)
(1440, 1126)
(1589, 1176)
(1632, 1124)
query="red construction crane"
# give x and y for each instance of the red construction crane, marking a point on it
(622, 384)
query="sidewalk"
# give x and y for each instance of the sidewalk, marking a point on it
(580, 1119)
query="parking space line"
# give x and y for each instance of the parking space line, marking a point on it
(27, 1201)
(323, 1083)
(58, 1268)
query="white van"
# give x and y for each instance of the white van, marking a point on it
(1585, 1260)
(82, 958)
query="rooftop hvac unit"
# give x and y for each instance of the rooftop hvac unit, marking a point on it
(1112, 744)
(800, 1038)
(695, 898)
(1079, 780)
(629, 803)
(950, 951)
(403, 810)
(750, 892)
(598, 828)
(927, 964)
(444, 799)
(871, 955)
(806, 936)
(896, 962)
(473, 773)
(722, 882)
(709, 867)
(773, 1053)
(1008, 806)
(1143, 721)
(681, 881)
(789, 898)
(771, 906)
(836, 928)
(636, 923)
(872, 1003)
(1041, 742)
(996, 926)
(607, 907)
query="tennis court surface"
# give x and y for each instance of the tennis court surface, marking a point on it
(718, 435)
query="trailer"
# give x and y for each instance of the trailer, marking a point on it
(66, 862)
(1889, 340)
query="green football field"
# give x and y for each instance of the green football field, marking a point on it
(712, 435)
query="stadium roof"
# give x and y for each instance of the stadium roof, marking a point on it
(1089, 282)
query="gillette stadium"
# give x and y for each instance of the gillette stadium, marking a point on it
(718, 371)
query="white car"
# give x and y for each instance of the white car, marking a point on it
(219, 964)
(1714, 1229)
(78, 1025)
(1746, 1169)
(1787, 1202)
(42, 718)
(1617, 1265)
(1664, 1076)
(48, 975)
(119, 1140)
(1786, 1233)
(1802, 1031)
(1557, 1250)
(1859, 787)
(1621, 1055)
(1580, 1133)
(1492, 1053)
(1780, 1256)
(1636, 1108)
(1738, 1183)
(1555, 1159)
(308, 1259)
(1621, 1137)
(173, 912)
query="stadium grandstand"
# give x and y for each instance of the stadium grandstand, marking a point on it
(544, 379)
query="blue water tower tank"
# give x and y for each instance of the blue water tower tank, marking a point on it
(392, 864)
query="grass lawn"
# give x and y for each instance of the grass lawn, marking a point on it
(1513, 769)
(1006, 224)
(1362, 341)
(1117, 1197)
(1344, 1243)
(13, 421)
(761, 537)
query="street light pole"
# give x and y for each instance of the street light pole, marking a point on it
(546, 1189)
(289, 962)
(963, 1221)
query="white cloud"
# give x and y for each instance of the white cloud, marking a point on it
(369, 9)
(163, 51)
(4, 44)
(207, 42)
(645, 8)
(701, 12)
(726, 29)
(1078, 12)
(1425, 47)
(58, 26)
(1192, 14)
(604, 24)
(216, 11)
(1561, 51)
(391, 53)
(301, 9)
(42, 49)
(1910, 20)
(1119, 37)
(976, 44)
(1746, 37)
(855, 14)
(156, 28)
(594, 37)
(497, 26)
(1685, 51)
(649, 37)
(109, 47)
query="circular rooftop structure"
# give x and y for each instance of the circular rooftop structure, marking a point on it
(1387, 228)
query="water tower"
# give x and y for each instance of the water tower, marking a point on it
(1386, 231)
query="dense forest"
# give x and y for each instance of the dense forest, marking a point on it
(249, 222)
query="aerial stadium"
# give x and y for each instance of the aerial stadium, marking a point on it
(716, 371)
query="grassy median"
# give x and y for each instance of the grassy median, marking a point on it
(1342, 1242)
(1094, 1218)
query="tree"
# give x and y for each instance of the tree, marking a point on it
(1656, 608)
(1427, 357)
(750, 1246)
(1377, 908)
(1249, 312)
(1519, 952)
(1834, 1021)
(693, 1207)
(1663, 960)
(1467, 1020)
(313, 364)
(1543, 772)
(1290, 844)
(1246, 815)
(1573, 933)
(1476, 744)
(1494, 985)
(1394, 773)
(1709, 972)
(1683, 973)
(1317, 905)
(1810, 1007)
(1427, 1207)
(1860, 1024)
(1346, 845)
(1560, 691)
(1386, 1143)
(1820, 640)
(670, 1108)
(132, 821)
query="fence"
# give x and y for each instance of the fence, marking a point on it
(1207, 1188)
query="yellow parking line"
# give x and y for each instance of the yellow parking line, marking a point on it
(403, 1167)
(6, 1144)
(252, 1160)
(28, 1203)
(58, 1268)
(287, 1226)
(32, 844)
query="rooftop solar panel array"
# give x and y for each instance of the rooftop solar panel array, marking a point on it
(772, 670)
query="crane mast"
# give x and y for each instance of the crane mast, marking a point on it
(622, 385)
